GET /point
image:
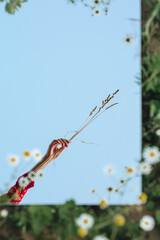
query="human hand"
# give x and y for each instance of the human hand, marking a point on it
(54, 148)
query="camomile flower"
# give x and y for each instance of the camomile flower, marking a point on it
(110, 189)
(26, 155)
(96, 11)
(151, 155)
(109, 170)
(147, 223)
(144, 168)
(119, 220)
(158, 132)
(85, 221)
(143, 198)
(13, 160)
(37, 155)
(100, 237)
(4, 213)
(130, 171)
(103, 204)
(23, 182)
(82, 232)
(93, 191)
(122, 181)
(96, 2)
(132, 188)
(40, 174)
(128, 39)
(116, 190)
(31, 175)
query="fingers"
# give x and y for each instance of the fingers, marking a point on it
(55, 143)
(65, 142)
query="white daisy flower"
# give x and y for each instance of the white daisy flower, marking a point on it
(96, 11)
(147, 223)
(32, 175)
(158, 132)
(37, 155)
(23, 182)
(85, 221)
(144, 168)
(151, 155)
(132, 188)
(40, 174)
(110, 189)
(100, 237)
(26, 155)
(4, 213)
(130, 171)
(96, 2)
(13, 160)
(109, 170)
(122, 181)
(128, 39)
(93, 191)
(103, 204)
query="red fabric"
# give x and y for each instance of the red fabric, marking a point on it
(19, 194)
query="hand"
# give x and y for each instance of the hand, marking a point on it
(55, 149)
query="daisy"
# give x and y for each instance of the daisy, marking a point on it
(13, 160)
(103, 204)
(130, 171)
(96, 11)
(116, 190)
(82, 232)
(147, 223)
(31, 175)
(128, 39)
(4, 213)
(144, 168)
(158, 132)
(26, 155)
(93, 191)
(122, 181)
(110, 189)
(109, 170)
(133, 188)
(119, 220)
(151, 154)
(23, 182)
(100, 237)
(40, 174)
(143, 197)
(85, 221)
(36, 154)
(106, 11)
(96, 2)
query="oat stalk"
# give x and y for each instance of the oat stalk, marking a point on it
(93, 114)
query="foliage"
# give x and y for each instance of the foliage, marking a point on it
(58, 222)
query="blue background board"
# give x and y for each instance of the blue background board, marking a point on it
(57, 63)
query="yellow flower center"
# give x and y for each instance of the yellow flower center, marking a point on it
(27, 153)
(119, 220)
(81, 232)
(152, 154)
(85, 221)
(37, 154)
(130, 170)
(143, 197)
(13, 159)
(146, 222)
(144, 167)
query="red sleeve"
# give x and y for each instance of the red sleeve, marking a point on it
(14, 192)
